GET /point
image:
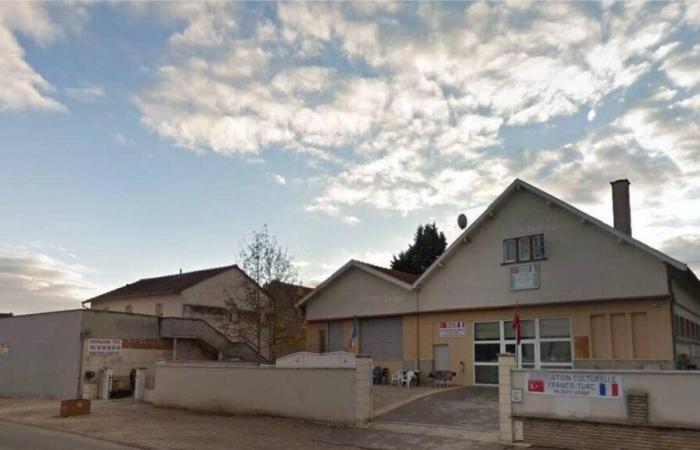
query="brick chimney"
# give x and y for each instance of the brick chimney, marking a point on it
(621, 206)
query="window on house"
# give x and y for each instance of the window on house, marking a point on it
(159, 309)
(509, 250)
(128, 308)
(538, 246)
(524, 248)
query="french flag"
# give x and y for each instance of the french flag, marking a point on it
(609, 389)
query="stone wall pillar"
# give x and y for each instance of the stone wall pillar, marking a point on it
(506, 363)
(363, 389)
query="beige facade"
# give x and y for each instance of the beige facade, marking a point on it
(208, 300)
(611, 292)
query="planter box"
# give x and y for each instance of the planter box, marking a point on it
(75, 407)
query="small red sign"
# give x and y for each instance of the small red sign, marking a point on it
(535, 386)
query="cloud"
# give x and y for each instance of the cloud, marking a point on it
(412, 107)
(279, 179)
(85, 94)
(24, 89)
(351, 220)
(684, 248)
(37, 277)
(683, 68)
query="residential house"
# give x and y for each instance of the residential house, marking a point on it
(225, 297)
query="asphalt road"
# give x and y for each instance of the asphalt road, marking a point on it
(22, 437)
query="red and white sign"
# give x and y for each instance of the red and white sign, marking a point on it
(452, 329)
(105, 347)
(575, 384)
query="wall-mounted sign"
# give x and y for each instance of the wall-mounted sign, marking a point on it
(105, 347)
(516, 395)
(452, 329)
(4, 348)
(524, 276)
(573, 384)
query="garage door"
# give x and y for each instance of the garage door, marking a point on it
(335, 337)
(382, 338)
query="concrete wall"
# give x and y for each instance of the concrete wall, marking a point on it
(654, 410)
(583, 262)
(331, 395)
(43, 357)
(672, 398)
(172, 305)
(358, 293)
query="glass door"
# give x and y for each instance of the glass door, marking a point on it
(546, 344)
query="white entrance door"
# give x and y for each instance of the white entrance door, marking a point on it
(441, 357)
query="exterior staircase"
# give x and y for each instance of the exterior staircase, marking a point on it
(198, 329)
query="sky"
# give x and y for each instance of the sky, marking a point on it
(139, 139)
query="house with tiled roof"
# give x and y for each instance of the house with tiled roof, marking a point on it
(225, 297)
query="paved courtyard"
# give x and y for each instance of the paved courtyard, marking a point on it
(472, 408)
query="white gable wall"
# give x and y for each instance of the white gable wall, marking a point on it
(358, 293)
(211, 292)
(583, 262)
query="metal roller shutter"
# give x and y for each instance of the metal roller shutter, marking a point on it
(335, 337)
(382, 338)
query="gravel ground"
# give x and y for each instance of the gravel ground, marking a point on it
(145, 426)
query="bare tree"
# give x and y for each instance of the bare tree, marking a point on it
(251, 311)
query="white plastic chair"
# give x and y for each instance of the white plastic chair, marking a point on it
(397, 378)
(408, 377)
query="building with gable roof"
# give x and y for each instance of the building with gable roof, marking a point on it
(589, 295)
(224, 297)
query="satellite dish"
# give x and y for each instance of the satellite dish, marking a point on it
(462, 221)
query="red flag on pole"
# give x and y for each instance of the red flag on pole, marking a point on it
(516, 325)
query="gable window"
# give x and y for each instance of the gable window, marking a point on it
(509, 250)
(524, 248)
(538, 246)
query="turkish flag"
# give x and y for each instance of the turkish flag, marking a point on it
(535, 386)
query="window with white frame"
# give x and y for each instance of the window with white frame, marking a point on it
(523, 248)
(509, 251)
(546, 343)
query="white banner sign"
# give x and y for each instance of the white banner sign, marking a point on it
(451, 329)
(524, 276)
(4, 348)
(573, 384)
(105, 347)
